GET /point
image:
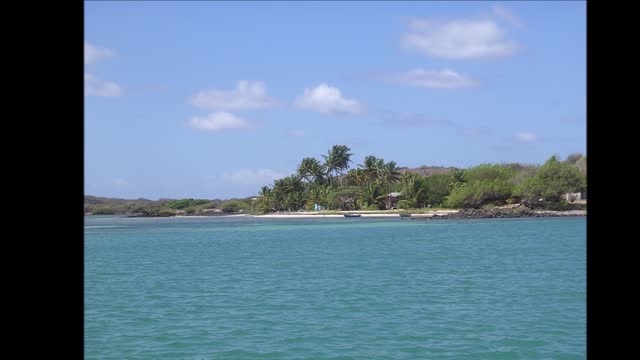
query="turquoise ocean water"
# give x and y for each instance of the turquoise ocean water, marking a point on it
(243, 288)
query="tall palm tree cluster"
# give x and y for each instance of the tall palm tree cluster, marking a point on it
(330, 184)
(325, 184)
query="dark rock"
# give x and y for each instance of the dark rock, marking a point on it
(516, 212)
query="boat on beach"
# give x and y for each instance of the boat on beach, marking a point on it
(352, 215)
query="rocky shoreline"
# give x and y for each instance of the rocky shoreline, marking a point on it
(462, 214)
(507, 211)
(519, 212)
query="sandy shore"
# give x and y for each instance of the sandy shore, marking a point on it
(367, 214)
(430, 214)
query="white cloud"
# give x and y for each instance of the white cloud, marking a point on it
(96, 87)
(262, 176)
(327, 99)
(442, 79)
(218, 121)
(296, 133)
(460, 39)
(248, 95)
(93, 54)
(508, 15)
(92, 85)
(526, 137)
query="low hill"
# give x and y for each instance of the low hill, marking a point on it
(162, 207)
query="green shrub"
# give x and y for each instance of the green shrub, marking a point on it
(437, 188)
(551, 181)
(404, 204)
(486, 184)
(103, 210)
(157, 211)
(512, 200)
(344, 198)
(488, 172)
(234, 206)
(212, 204)
(184, 203)
(476, 194)
(164, 213)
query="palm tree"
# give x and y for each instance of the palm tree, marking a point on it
(289, 193)
(331, 161)
(356, 177)
(368, 163)
(457, 178)
(311, 170)
(319, 194)
(337, 160)
(413, 189)
(390, 175)
(295, 200)
(407, 176)
(292, 183)
(277, 196)
(372, 193)
(372, 166)
(265, 191)
(265, 199)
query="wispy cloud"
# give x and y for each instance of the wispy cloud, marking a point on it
(327, 99)
(526, 137)
(247, 95)
(506, 14)
(458, 39)
(217, 121)
(96, 87)
(296, 133)
(438, 79)
(262, 176)
(93, 54)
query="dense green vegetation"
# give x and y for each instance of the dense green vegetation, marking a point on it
(164, 207)
(186, 203)
(552, 179)
(333, 183)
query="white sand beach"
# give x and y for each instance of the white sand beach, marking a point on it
(368, 214)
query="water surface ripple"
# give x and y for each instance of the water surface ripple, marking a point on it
(243, 288)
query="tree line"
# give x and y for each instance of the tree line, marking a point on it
(331, 183)
(334, 182)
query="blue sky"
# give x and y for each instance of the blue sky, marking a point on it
(215, 99)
